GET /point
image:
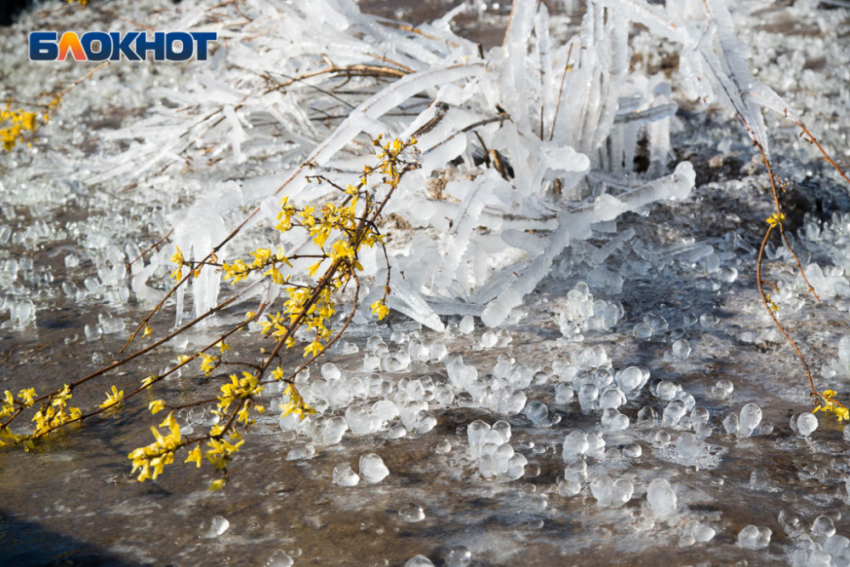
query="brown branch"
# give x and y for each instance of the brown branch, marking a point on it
(776, 322)
(152, 246)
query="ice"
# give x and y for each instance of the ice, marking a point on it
(754, 537)
(731, 424)
(330, 371)
(411, 513)
(631, 378)
(807, 423)
(419, 561)
(749, 420)
(632, 451)
(437, 351)
(791, 524)
(587, 396)
(575, 445)
(538, 413)
(458, 557)
(467, 325)
(681, 350)
(218, 525)
(372, 468)
(613, 420)
(703, 533)
(343, 475)
(667, 390)
(823, 527)
(707, 321)
(93, 332)
(661, 498)
(611, 493)
(564, 394)
(722, 389)
(360, 419)
(673, 413)
(306, 451)
(334, 429)
(489, 340)
(689, 446)
(418, 351)
(612, 398)
(444, 447)
(280, 559)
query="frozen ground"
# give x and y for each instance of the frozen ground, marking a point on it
(680, 271)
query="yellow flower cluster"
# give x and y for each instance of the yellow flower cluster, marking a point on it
(295, 403)
(26, 399)
(339, 230)
(239, 389)
(829, 405)
(263, 258)
(19, 122)
(55, 414)
(153, 458)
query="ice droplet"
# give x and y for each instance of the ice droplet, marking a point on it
(280, 559)
(823, 527)
(419, 561)
(343, 475)
(661, 498)
(467, 325)
(330, 371)
(372, 468)
(681, 349)
(218, 526)
(749, 420)
(754, 537)
(306, 451)
(806, 424)
(458, 557)
(411, 513)
(92, 331)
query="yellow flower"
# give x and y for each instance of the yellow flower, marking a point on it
(828, 404)
(177, 259)
(147, 332)
(342, 249)
(156, 406)
(114, 398)
(146, 383)
(314, 268)
(209, 362)
(380, 309)
(194, 456)
(216, 485)
(775, 219)
(314, 348)
(27, 396)
(295, 403)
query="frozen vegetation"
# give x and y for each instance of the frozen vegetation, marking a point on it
(577, 370)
